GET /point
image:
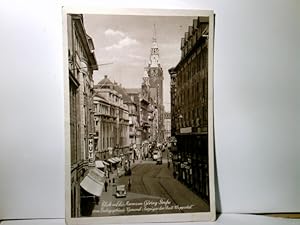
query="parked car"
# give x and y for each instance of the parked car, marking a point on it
(120, 191)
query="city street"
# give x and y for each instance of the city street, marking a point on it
(153, 184)
(138, 121)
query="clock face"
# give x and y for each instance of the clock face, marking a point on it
(155, 51)
(153, 73)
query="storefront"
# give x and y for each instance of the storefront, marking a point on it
(91, 189)
(192, 158)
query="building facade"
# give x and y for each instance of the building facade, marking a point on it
(105, 127)
(167, 126)
(145, 101)
(124, 119)
(113, 132)
(134, 118)
(82, 63)
(189, 109)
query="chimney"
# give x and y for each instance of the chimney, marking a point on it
(195, 24)
(190, 30)
(182, 42)
(186, 36)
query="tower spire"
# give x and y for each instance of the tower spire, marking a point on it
(154, 33)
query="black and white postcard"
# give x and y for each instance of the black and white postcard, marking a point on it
(139, 115)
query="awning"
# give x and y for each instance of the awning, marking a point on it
(99, 164)
(111, 161)
(117, 159)
(94, 182)
(105, 163)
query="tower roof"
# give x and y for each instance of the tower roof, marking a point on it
(104, 82)
(154, 52)
(154, 41)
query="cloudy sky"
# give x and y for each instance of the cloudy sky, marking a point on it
(125, 41)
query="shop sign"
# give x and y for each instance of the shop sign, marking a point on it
(91, 150)
(186, 130)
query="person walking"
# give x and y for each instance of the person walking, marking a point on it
(105, 185)
(129, 184)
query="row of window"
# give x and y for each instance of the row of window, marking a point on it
(194, 114)
(73, 122)
(194, 93)
(193, 68)
(110, 111)
(108, 137)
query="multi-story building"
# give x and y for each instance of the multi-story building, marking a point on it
(113, 133)
(189, 108)
(134, 126)
(155, 74)
(82, 63)
(145, 102)
(174, 113)
(124, 119)
(105, 126)
(167, 126)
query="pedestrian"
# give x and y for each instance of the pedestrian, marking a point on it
(113, 180)
(97, 199)
(168, 164)
(109, 181)
(105, 185)
(129, 184)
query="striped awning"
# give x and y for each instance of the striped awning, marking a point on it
(93, 182)
(117, 159)
(105, 163)
(99, 164)
(111, 160)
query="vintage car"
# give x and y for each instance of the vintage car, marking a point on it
(120, 191)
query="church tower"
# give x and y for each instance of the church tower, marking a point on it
(156, 78)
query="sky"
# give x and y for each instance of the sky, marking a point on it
(125, 41)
